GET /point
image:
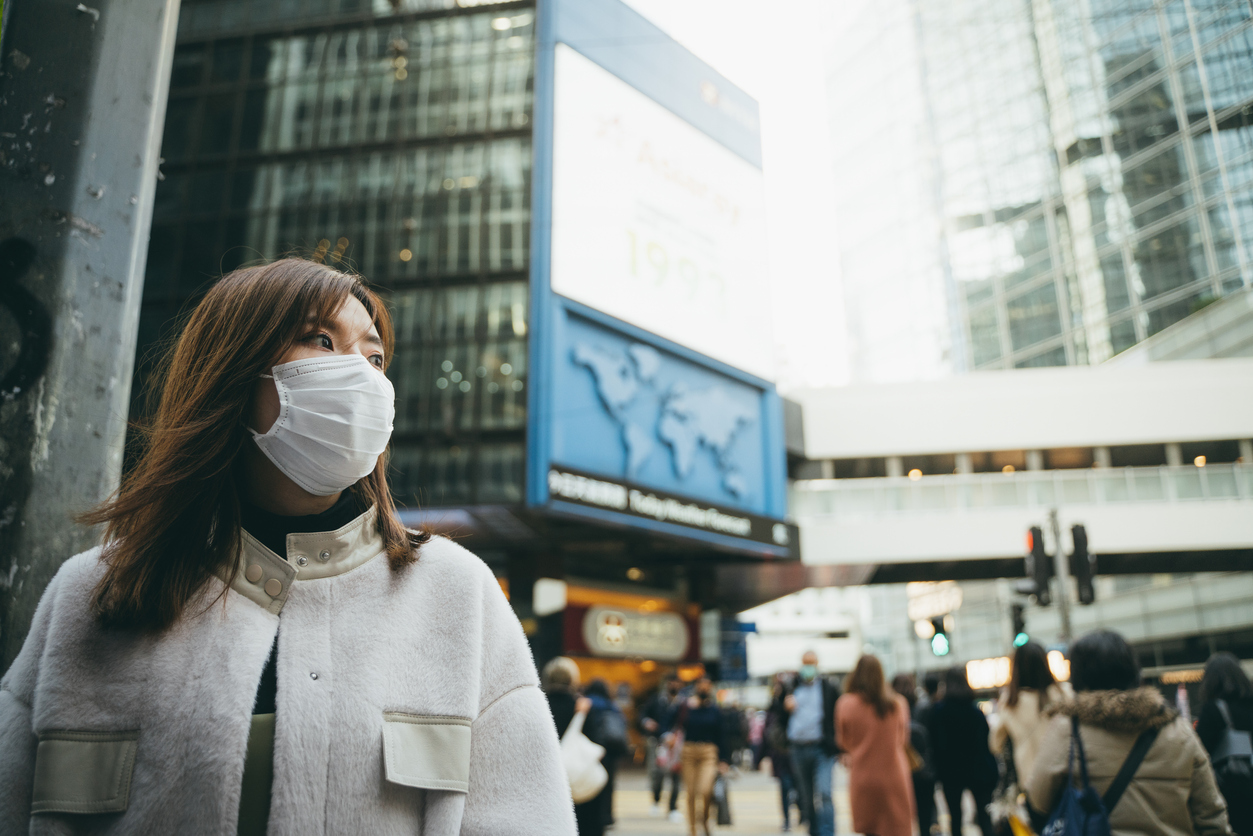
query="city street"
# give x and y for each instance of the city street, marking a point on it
(754, 807)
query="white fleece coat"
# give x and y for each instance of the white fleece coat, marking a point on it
(434, 644)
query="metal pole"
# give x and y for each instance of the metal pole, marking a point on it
(83, 88)
(1062, 570)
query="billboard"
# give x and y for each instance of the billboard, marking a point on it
(650, 403)
(655, 222)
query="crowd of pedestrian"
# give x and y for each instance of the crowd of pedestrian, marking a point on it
(1008, 763)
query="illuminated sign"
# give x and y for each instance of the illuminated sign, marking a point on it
(620, 633)
(654, 222)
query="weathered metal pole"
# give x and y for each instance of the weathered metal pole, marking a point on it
(83, 88)
(1062, 570)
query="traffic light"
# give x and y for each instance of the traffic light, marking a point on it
(939, 639)
(1017, 614)
(1039, 566)
(1083, 565)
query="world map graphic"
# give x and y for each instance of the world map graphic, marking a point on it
(686, 421)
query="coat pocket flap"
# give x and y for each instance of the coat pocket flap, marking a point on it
(426, 751)
(83, 771)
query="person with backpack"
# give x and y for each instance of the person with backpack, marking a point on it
(607, 726)
(1225, 724)
(1130, 750)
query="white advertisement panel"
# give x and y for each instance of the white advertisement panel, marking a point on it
(655, 222)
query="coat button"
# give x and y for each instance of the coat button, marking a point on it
(273, 587)
(302, 561)
(313, 676)
(324, 556)
(253, 573)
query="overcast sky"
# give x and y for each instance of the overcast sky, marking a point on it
(778, 53)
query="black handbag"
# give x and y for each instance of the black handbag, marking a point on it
(1233, 759)
(722, 802)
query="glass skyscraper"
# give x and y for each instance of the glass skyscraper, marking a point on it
(392, 137)
(1038, 182)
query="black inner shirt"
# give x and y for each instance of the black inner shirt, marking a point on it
(272, 530)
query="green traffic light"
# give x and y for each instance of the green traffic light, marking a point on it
(1021, 639)
(939, 644)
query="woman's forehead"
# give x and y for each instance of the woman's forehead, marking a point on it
(350, 317)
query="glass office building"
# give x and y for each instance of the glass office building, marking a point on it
(1040, 182)
(390, 137)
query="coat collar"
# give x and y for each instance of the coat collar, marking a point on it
(265, 578)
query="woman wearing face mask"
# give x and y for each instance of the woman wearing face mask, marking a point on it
(260, 642)
(705, 752)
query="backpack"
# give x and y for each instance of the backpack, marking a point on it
(610, 730)
(1233, 759)
(1080, 811)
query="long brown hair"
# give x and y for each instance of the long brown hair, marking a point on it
(175, 521)
(867, 680)
(1030, 670)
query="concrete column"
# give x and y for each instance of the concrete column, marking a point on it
(1035, 460)
(83, 89)
(1174, 455)
(1246, 451)
(964, 464)
(895, 467)
(1101, 457)
(828, 468)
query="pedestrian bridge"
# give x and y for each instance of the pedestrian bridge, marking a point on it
(984, 516)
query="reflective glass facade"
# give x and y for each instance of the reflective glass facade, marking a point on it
(1060, 178)
(390, 137)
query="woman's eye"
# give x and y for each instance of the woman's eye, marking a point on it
(377, 360)
(322, 341)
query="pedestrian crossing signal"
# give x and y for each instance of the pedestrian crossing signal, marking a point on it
(939, 640)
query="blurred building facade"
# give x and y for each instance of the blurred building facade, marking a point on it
(1038, 183)
(402, 140)
(397, 144)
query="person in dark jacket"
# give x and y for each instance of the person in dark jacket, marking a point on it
(606, 725)
(560, 682)
(775, 747)
(811, 736)
(920, 739)
(1225, 680)
(656, 715)
(705, 752)
(959, 747)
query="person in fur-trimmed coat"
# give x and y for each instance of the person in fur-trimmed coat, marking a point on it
(260, 645)
(1172, 793)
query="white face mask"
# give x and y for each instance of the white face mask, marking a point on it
(334, 421)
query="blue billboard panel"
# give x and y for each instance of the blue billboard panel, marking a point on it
(629, 410)
(644, 433)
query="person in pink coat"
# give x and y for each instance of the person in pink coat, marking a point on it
(872, 727)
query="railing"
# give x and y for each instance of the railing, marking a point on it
(876, 496)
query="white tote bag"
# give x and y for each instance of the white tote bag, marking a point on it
(582, 760)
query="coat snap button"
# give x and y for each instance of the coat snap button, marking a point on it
(324, 556)
(273, 587)
(302, 560)
(313, 676)
(253, 573)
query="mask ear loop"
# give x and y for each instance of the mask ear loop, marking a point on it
(244, 424)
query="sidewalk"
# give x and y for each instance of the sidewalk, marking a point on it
(755, 808)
